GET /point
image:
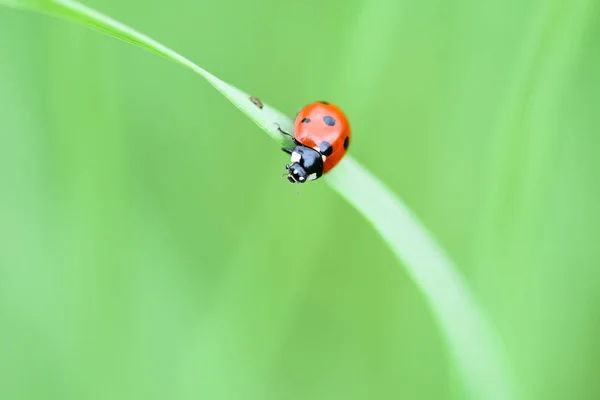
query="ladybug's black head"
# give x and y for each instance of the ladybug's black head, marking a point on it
(307, 165)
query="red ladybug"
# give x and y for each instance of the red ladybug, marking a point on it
(322, 137)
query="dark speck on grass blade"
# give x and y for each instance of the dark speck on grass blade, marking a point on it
(256, 102)
(472, 342)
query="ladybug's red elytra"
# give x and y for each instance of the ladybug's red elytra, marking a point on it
(322, 137)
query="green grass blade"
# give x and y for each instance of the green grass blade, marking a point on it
(472, 341)
(476, 350)
(82, 14)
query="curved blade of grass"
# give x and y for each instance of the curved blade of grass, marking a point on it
(472, 341)
(78, 12)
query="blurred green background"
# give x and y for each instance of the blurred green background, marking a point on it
(150, 249)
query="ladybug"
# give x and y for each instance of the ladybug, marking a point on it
(322, 137)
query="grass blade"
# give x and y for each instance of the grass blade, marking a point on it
(472, 341)
(82, 14)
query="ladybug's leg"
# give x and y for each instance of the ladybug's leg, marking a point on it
(297, 143)
(289, 151)
(284, 132)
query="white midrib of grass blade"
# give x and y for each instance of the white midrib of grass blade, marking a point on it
(472, 341)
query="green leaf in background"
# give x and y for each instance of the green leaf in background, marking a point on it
(472, 342)
(476, 351)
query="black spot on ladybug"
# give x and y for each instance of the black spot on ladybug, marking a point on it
(325, 148)
(305, 120)
(329, 120)
(324, 102)
(346, 143)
